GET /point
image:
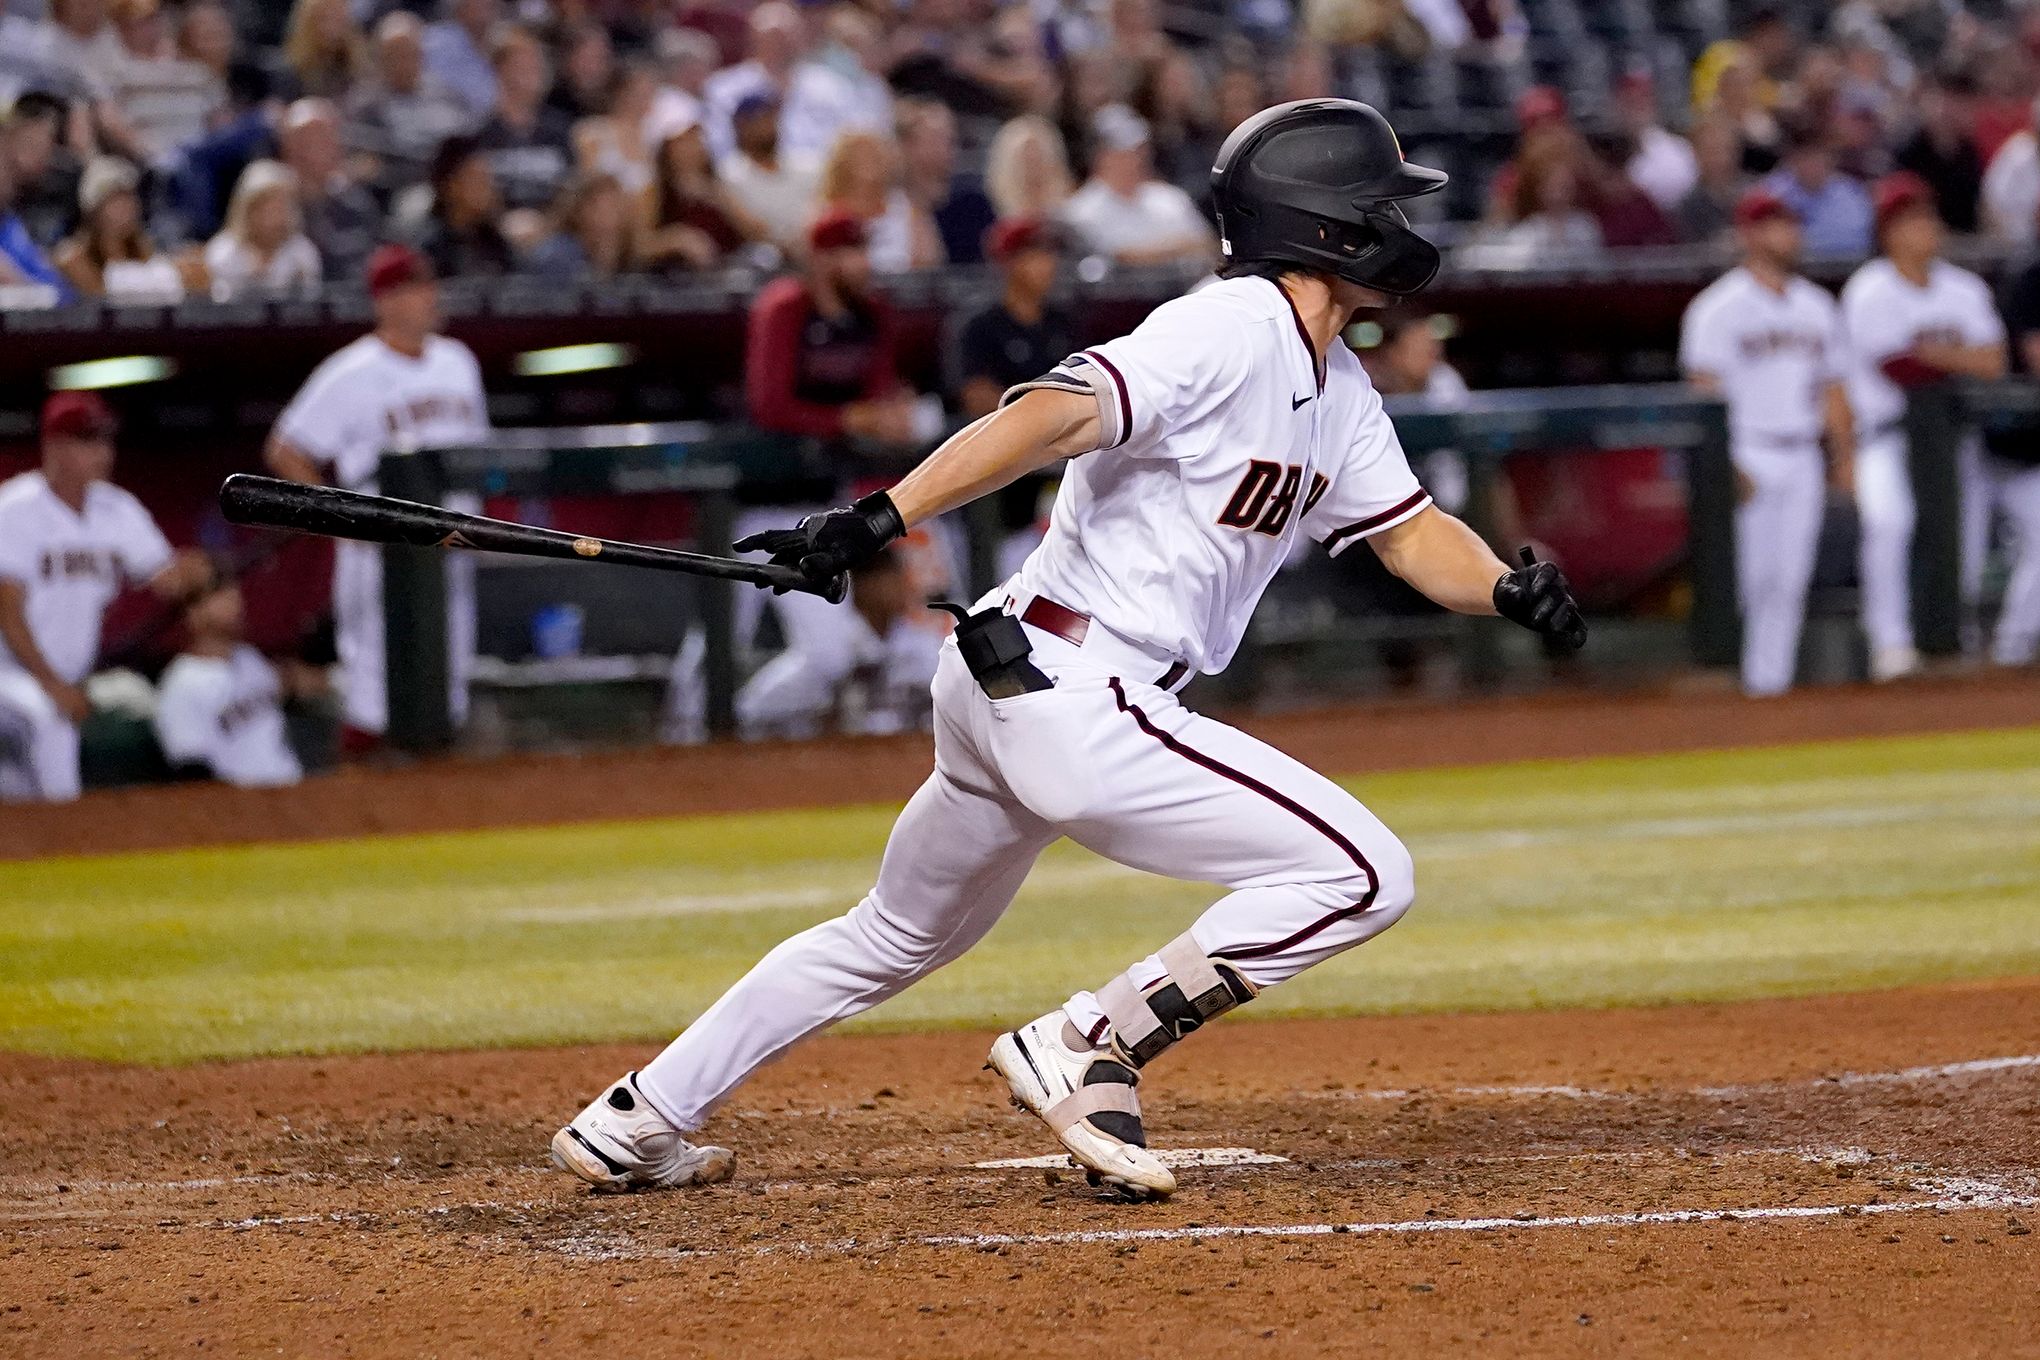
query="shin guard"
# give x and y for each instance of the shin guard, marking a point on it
(1195, 988)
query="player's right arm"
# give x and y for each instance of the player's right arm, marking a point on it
(69, 698)
(290, 462)
(1038, 428)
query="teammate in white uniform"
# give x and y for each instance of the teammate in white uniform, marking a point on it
(219, 705)
(69, 539)
(1911, 319)
(399, 388)
(1201, 445)
(1770, 343)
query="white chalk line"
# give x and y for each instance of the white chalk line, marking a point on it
(1904, 1076)
(1169, 1157)
(1081, 874)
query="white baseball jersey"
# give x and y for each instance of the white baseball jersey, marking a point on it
(368, 398)
(73, 564)
(364, 400)
(1775, 354)
(226, 712)
(1884, 314)
(1219, 450)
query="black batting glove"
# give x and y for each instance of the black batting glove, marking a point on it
(1537, 596)
(825, 546)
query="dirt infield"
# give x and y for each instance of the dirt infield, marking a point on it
(453, 795)
(1850, 1175)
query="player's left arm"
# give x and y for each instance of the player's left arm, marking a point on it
(1440, 556)
(1839, 423)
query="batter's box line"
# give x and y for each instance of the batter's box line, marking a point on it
(1905, 1076)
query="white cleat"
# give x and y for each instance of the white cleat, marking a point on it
(621, 1143)
(1086, 1097)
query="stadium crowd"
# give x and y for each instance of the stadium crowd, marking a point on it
(152, 149)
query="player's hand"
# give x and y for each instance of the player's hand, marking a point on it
(823, 547)
(70, 701)
(1538, 597)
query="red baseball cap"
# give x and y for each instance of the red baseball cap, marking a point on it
(1759, 204)
(78, 415)
(1899, 193)
(835, 229)
(395, 266)
(1011, 235)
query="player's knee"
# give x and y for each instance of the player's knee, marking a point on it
(897, 946)
(1395, 879)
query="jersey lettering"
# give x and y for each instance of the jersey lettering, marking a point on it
(1266, 498)
(1250, 497)
(70, 564)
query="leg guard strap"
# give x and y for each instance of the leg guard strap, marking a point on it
(1196, 988)
(1097, 1098)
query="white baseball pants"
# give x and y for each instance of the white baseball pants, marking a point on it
(1884, 500)
(1777, 536)
(38, 744)
(1116, 764)
(358, 633)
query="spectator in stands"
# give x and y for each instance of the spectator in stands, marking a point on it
(157, 100)
(819, 356)
(687, 58)
(219, 706)
(1172, 95)
(855, 50)
(1239, 95)
(1708, 209)
(1660, 162)
(776, 190)
(1833, 210)
(462, 235)
(263, 245)
(1544, 214)
(1942, 150)
(1020, 336)
(862, 177)
(957, 206)
(207, 36)
(816, 104)
(2011, 186)
(1544, 130)
(1027, 169)
(587, 72)
(594, 232)
(204, 174)
(1733, 98)
(69, 540)
(110, 255)
(404, 109)
(43, 172)
(341, 218)
(529, 142)
(457, 53)
(1123, 211)
(616, 143)
(23, 265)
(324, 48)
(697, 222)
(79, 40)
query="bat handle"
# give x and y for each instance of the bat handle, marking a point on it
(1528, 555)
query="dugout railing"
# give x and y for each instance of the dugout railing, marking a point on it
(714, 466)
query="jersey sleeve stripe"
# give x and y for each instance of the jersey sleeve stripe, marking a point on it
(1119, 385)
(1340, 539)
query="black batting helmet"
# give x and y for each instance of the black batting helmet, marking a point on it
(1315, 183)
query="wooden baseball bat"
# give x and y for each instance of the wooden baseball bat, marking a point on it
(339, 513)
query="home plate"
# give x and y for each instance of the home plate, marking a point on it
(1169, 1157)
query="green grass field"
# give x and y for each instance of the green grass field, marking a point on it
(1605, 882)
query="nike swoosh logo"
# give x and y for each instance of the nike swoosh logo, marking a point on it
(1296, 403)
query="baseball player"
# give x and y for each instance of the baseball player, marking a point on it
(399, 388)
(1201, 446)
(1911, 319)
(1770, 343)
(69, 540)
(219, 706)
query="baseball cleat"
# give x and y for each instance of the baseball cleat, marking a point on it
(1086, 1097)
(621, 1143)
